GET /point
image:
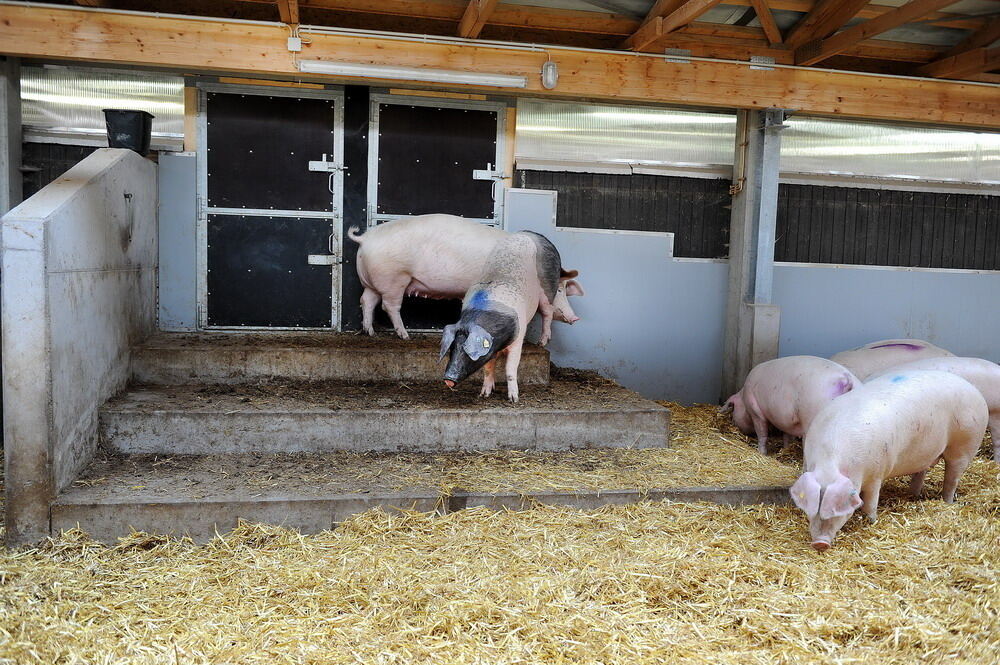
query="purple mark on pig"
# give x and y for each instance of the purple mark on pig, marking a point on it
(911, 347)
(844, 385)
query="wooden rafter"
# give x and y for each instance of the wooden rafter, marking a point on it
(985, 36)
(766, 19)
(193, 45)
(93, 3)
(824, 19)
(817, 51)
(975, 61)
(288, 10)
(678, 14)
(477, 13)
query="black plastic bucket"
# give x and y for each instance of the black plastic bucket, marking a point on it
(129, 129)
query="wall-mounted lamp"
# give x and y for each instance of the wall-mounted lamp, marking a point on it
(550, 74)
(412, 74)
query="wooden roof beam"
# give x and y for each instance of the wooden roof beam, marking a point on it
(766, 19)
(288, 10)
(678, 14)
(824, 19)
(976, 61)
(985, 36)
(817, 51)
(477, 13)
(93, 3)
(192, 45)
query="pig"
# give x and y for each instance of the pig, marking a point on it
(787, 393)
(983, 374)
(523, 274)
(873, 359)
(899, 424)
(431, 256)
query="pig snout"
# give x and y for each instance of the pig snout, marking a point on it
(449, 383)
(820, 545)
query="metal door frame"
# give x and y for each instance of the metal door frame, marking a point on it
(336, 214)
(435, 102)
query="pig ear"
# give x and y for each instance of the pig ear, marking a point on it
(805, 493)
(573, 288)
(568, 274)
(447, 339)
(840, 499)
(478, 343)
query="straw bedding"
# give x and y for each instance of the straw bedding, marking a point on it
(649, 583)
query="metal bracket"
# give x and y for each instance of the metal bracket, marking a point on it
(681, 56)
(487, 174)
(774, 119)
(761, 62)
(324, 165)
(325, 260)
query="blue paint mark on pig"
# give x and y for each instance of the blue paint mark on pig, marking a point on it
(478, 300)
(898, 378)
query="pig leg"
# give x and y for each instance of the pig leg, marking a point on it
(369, 300)
(760, 427)
(995, 435)
(546, 311)
(953, 470)
(489, 378)
(513, 360)
(917, 484)
(391, 304)
(869, 498)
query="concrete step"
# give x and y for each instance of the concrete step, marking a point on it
(182, 358)
(200, 496)
(575, 410)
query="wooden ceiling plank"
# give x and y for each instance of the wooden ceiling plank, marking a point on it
(288, 10)
(824, 19)
(766, 19)
(92, 3)
(477, 13)
(192, 45)
(817, 51)
(977, 61)
(647, 36)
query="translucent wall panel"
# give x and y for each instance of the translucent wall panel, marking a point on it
(621, 134)
(65, 104)
(814, 145)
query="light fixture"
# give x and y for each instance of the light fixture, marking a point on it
(550, 74)
(412, 73)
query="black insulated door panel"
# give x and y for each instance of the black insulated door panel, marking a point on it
(259, 273)
(260, 148)
(426, 156)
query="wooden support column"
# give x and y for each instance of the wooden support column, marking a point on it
(752, 321)
(10, 134)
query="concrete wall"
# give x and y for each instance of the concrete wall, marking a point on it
(79, 261)
(649, 321)
(826, 309)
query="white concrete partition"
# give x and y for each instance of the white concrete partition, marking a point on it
(79, 270)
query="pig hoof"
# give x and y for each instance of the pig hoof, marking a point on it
(872, 518)
(512, 397)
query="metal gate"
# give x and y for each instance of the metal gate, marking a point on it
(435, 155)
(270, 183)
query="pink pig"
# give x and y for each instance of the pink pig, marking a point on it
(433, 256)
(899, 424)
(873, 359)
(787, 393)
(983, 374)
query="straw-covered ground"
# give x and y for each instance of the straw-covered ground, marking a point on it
(649, 583)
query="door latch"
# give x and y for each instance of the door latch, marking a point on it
(487, 174)
(324, 165)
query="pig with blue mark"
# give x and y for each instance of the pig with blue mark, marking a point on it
(899, 424)
(872, 359)
(786, 394)
(523, 275)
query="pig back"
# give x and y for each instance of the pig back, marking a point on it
(793, 390)
(877, 357)
(981, 373)
(897, 424)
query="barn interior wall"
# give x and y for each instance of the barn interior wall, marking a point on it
(97, 262)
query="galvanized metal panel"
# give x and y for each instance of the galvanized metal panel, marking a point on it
(178, 222)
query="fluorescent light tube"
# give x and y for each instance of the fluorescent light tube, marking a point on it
(412, 73)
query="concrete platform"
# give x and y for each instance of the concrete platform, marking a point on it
(575, 410)
(229, 358)
(204, 495)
